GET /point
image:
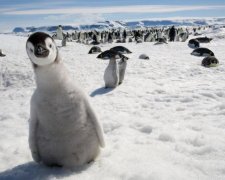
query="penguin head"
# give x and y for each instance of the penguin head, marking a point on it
(124, 58)
(214, 61)
(41, 49)
(100, 56)
(212, 54)
(210, 61)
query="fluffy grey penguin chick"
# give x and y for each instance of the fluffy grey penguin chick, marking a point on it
(63, 128)
(122, 68)
(64, 41)
(111, 75)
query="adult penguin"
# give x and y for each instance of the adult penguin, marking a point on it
(172, 33)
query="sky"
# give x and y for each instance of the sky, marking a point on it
(23, 13)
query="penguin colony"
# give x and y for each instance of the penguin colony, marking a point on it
(63, 128)
(158, 35)
(94, 37)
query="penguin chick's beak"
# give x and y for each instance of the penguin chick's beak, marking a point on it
(41, 51)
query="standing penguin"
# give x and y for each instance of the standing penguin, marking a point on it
(183, 36)
(110, 38)
(124, 34)
(172, 33)
(63, 128)
(59, 33)
(111, 75)
(95, 40)
(64, 41)
(122, 69)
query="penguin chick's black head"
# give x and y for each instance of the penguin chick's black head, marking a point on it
(38, 41)
(41, 49)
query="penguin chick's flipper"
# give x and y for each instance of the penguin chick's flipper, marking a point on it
(92, 117)
(33, 123)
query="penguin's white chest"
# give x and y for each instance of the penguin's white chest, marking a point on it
(196, 53)
(111, 75)
(192, 45)
(60, 114)
(59, 34)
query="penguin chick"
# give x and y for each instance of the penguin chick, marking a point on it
(111, 75)
(122, 68)
(63, 128)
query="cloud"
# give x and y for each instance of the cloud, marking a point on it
(89, 18)
(30, 6)
(77, 19)
(113, 9)
(59, 17)
(5, 10)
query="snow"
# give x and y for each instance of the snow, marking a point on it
(166, 121)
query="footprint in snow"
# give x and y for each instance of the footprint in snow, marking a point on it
(166, 137)
(186, 100)
(146, 129)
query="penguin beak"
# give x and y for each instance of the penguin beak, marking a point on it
(41, 51)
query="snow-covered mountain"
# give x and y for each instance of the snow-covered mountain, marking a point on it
(128, 24)
(178, 22)
(98, 25)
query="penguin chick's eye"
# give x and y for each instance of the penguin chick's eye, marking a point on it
(50, 46)
(31, 50)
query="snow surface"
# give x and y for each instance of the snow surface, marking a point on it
(165, 122)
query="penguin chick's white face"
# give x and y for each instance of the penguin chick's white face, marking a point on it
(41, 49)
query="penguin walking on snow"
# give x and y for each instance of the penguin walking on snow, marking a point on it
(63, 128)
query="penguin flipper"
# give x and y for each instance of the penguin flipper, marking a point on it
(93, 118)
(33, 124)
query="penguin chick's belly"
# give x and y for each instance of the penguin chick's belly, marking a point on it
(111, 77)
(68, 150)
(110, 80)
(65, 136)
(122, 69)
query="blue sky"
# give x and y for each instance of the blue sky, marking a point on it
(15, 13)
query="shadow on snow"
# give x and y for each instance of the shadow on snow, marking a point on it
(32, 170)
(101, 91)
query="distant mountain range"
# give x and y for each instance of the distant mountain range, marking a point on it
(128, 24)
